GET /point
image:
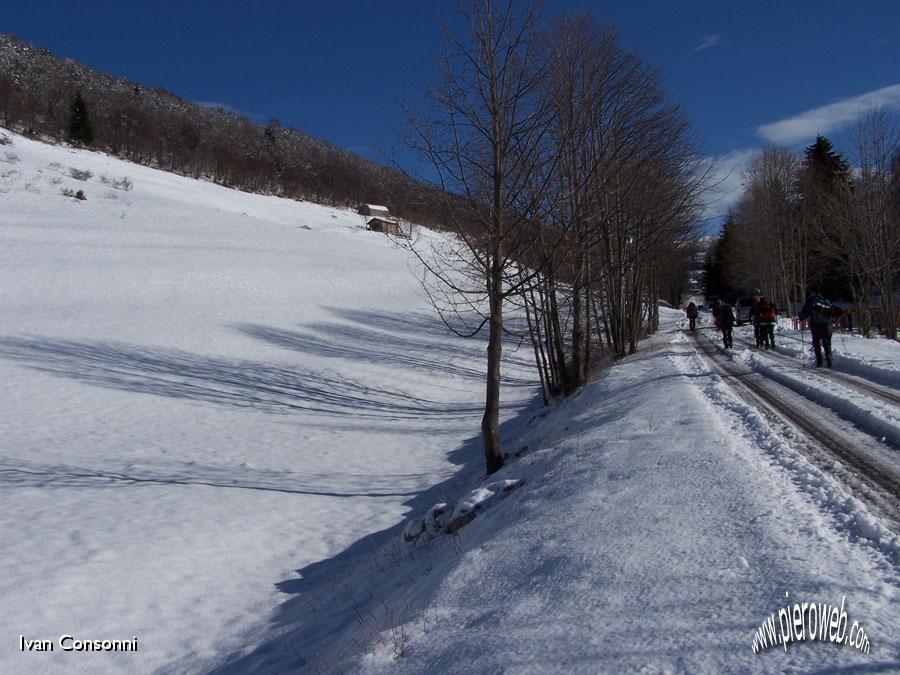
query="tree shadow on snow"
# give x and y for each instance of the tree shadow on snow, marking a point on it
(334, 609)
(334, 484)
(406, 341)
(232, 382)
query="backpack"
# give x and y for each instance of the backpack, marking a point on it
(726, 316)
(767, 312)
(820, 310)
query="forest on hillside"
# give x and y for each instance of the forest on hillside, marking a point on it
(62, 99)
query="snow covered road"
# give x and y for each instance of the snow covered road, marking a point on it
(663, 519)
(862, 453)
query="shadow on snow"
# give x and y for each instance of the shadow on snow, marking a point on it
(238, 383)
(393, 340)
(319, 612)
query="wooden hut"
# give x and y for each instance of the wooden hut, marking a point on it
(374, 210)
(386, 225)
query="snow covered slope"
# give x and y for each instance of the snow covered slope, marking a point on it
(203, 391)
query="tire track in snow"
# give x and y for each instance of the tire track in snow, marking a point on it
(825, 444)
(863, 386)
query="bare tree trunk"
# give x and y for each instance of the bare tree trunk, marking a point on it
(490, 423)
(577, 377)
(535, 335)
(558, 349)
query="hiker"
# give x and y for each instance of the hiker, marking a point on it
(819, 312)
(754, 319)
(766, 315)
(716, 310)
(725, 322)
(691, 311)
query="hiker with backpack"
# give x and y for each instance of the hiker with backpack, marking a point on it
(820, 313)
(754, 319)
(691, 311)
(725, 322)
(766, 316)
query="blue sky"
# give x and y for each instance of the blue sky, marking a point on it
(746, 73)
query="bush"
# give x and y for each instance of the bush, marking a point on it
(68, 192)
(78, 174)
(123, 183)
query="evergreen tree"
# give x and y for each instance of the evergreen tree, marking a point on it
(716, 280)
(825, 165)
(80, 130)
(825, 187)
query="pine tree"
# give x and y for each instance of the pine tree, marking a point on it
(825, 165)
(80, 130)
(825, 187)
(716, 281)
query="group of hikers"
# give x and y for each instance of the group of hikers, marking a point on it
(723, 315)
(764, 314)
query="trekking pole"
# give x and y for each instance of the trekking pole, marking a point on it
(802, 340)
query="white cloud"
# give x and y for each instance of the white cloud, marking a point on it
(725, 176)
(828, 118)
(707, 42)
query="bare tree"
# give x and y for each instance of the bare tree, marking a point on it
(621, 204)
(877, 244)
(483, 130)
(770, 247)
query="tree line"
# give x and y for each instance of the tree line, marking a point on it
(42, 95)
(573, 185)
(814, 222)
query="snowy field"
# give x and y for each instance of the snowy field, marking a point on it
(233, 428)
(200, 397)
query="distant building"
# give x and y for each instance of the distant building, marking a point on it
(374, 210)
(387, 225)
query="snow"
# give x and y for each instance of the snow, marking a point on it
(648, 537)
(200, 397)
(254, 447)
